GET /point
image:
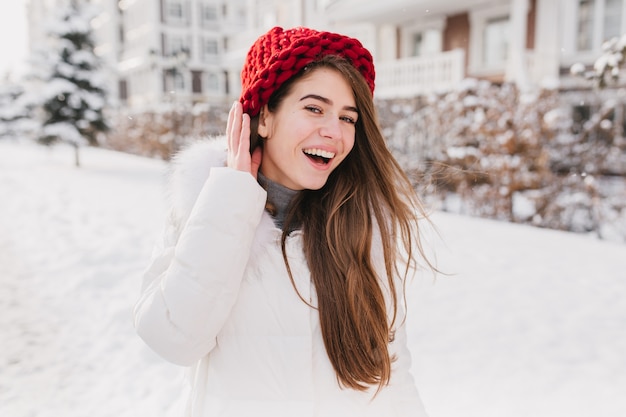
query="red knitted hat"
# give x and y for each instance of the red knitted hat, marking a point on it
(279, 54)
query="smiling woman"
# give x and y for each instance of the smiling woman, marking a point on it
(280, 279)
(13, 32)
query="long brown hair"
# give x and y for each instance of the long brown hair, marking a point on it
(367, 191)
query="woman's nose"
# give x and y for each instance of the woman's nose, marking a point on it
(331, 128)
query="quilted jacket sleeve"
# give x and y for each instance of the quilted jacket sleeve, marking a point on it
(193, 281)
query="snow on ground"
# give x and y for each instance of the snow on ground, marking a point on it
(528, 322)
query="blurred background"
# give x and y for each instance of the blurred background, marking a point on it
(508, 115)
(506, 109)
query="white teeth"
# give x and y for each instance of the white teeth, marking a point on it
(319, 152)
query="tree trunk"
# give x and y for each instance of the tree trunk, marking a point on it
(76, 156)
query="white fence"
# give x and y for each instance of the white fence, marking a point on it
(409, 77)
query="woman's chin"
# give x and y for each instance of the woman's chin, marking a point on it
(315, 185)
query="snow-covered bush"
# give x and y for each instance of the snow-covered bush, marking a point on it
(607, 67)
(482, 140)
(487, 150)
(162, 130)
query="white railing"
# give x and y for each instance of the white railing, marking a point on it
(410, 77)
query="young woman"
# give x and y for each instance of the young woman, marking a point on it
(280, 278)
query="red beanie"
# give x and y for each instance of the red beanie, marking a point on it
(279, 54)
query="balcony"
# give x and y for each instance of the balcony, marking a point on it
(410, 77)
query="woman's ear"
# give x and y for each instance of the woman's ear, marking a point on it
(264, 122)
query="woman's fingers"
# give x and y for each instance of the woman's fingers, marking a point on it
(232, 128)
(244, 135)
(238, 132)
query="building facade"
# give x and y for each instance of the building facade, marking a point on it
(173, 49)
(185, 51)
(426, 45)
(192, 51)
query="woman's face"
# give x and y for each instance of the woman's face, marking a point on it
(311, 132)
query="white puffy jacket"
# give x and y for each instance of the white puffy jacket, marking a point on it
(217, 298)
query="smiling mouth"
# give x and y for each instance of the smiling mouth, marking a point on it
(319, 156)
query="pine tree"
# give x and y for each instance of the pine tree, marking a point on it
(74, 96)
(13, 112)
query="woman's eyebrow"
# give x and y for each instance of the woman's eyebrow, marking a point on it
(328, 101)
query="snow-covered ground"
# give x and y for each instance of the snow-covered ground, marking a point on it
(528, 323)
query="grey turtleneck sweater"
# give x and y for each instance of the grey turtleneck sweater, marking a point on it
(279, 197)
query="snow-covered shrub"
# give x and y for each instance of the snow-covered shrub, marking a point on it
(161, 131)
(607, 67)
(482, 140)
(487, 150)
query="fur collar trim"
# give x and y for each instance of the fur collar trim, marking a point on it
(188, 171)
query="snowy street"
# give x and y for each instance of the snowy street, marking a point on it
(528, 323)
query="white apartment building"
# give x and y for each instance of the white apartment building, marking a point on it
(429, 45)
(159, 51)
(192, 50)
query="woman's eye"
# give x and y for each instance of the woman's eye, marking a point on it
(348, 119)
(313, 109)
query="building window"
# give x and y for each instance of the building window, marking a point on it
(208, 15)
(209, 50)
(213, 82)
(496, 41)
(426, 42)
(175, 44)
(123, 90)
(612, 19)
(175, 12)
(173, 81)
(585, 24)
(597, 22)
(179, 81)
(196, 82)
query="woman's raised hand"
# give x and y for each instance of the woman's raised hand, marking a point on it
(238, 134)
